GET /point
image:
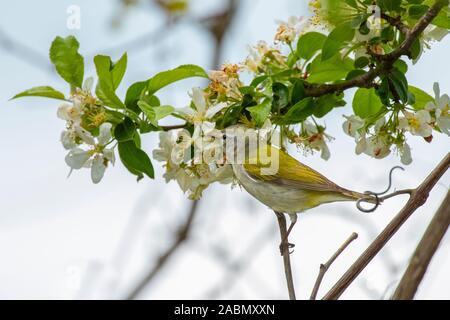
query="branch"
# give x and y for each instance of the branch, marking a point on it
(286, 255)
(24, 52)
(173, 127)
(324, 267)
(239, 265)
(386, 61)
(425, 251)
(418, 197)
(396, 22)
(182, 236)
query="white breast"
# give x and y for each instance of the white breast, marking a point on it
(278, 198)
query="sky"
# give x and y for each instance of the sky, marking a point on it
(66, 238)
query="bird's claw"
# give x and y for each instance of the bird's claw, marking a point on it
(289, 246)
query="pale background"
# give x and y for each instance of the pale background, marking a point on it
(67, 238)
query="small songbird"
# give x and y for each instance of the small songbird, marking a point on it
(292, 187)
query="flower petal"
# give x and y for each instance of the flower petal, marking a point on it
(405, 152)
(213, 110)
(88, 84)
(98, 169)
(67, 140)
(85, 135)
(198, 98)
(436, 90)
(104, 133)
(76, 158)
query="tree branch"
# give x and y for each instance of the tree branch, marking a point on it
(418, 198)
(424, 252)
(386, 61)
(24, 52)
(182, 236)
(396, 22)
(324, 267)
(286, 255)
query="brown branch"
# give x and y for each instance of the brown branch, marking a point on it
(324, 267)
(238, 266)
(396, 22)
(424, 252)
(286, 254)
(418, 197)
(386, 61)
(173, 127)
(182, 236)
(24, 52)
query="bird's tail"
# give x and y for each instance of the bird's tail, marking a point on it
(358, 196)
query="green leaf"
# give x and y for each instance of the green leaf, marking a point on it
(125, 130)
(330, 70)
(231, 116)
(336, 40)
(165, 78)
(44, 91)
(134, 93)
(389, 5)
(323, 105)
(68, 62)
(280, 96)
(366, 103)
(118, 70)
(309, 43)
(106, 86)
(260, 112)
(355, 73)
(155, 113)
(298, 91)
(421, 97)
(135, 159)
(443, 19)
(298, 112)
(352, 3)
(401, 65)
(361, 62)
(400, 84)
(417, 11)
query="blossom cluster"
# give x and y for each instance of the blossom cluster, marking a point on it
(82, 115)
(341, 40)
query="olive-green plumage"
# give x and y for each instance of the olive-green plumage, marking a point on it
(291, 189)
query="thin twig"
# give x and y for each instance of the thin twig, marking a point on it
(324, 267)
(237, 266)
(424, 252)
(286, 255)
(24, 52)
(418, 197)
(396, 22)
(182, 236)
(173, 127)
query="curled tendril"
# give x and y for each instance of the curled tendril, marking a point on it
(376, 195)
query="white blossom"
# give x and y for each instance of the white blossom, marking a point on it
(96, 157)
(352, 125)
(405, 154)
(417, 123)
(441, 109)
(288, 31)
(202, 111)
(317, 140)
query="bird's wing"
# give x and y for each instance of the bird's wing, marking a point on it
(290, 172)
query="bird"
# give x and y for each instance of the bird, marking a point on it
(292, 187)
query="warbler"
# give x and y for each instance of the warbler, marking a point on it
(292, 187)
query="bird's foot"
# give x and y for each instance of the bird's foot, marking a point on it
(288, 246)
